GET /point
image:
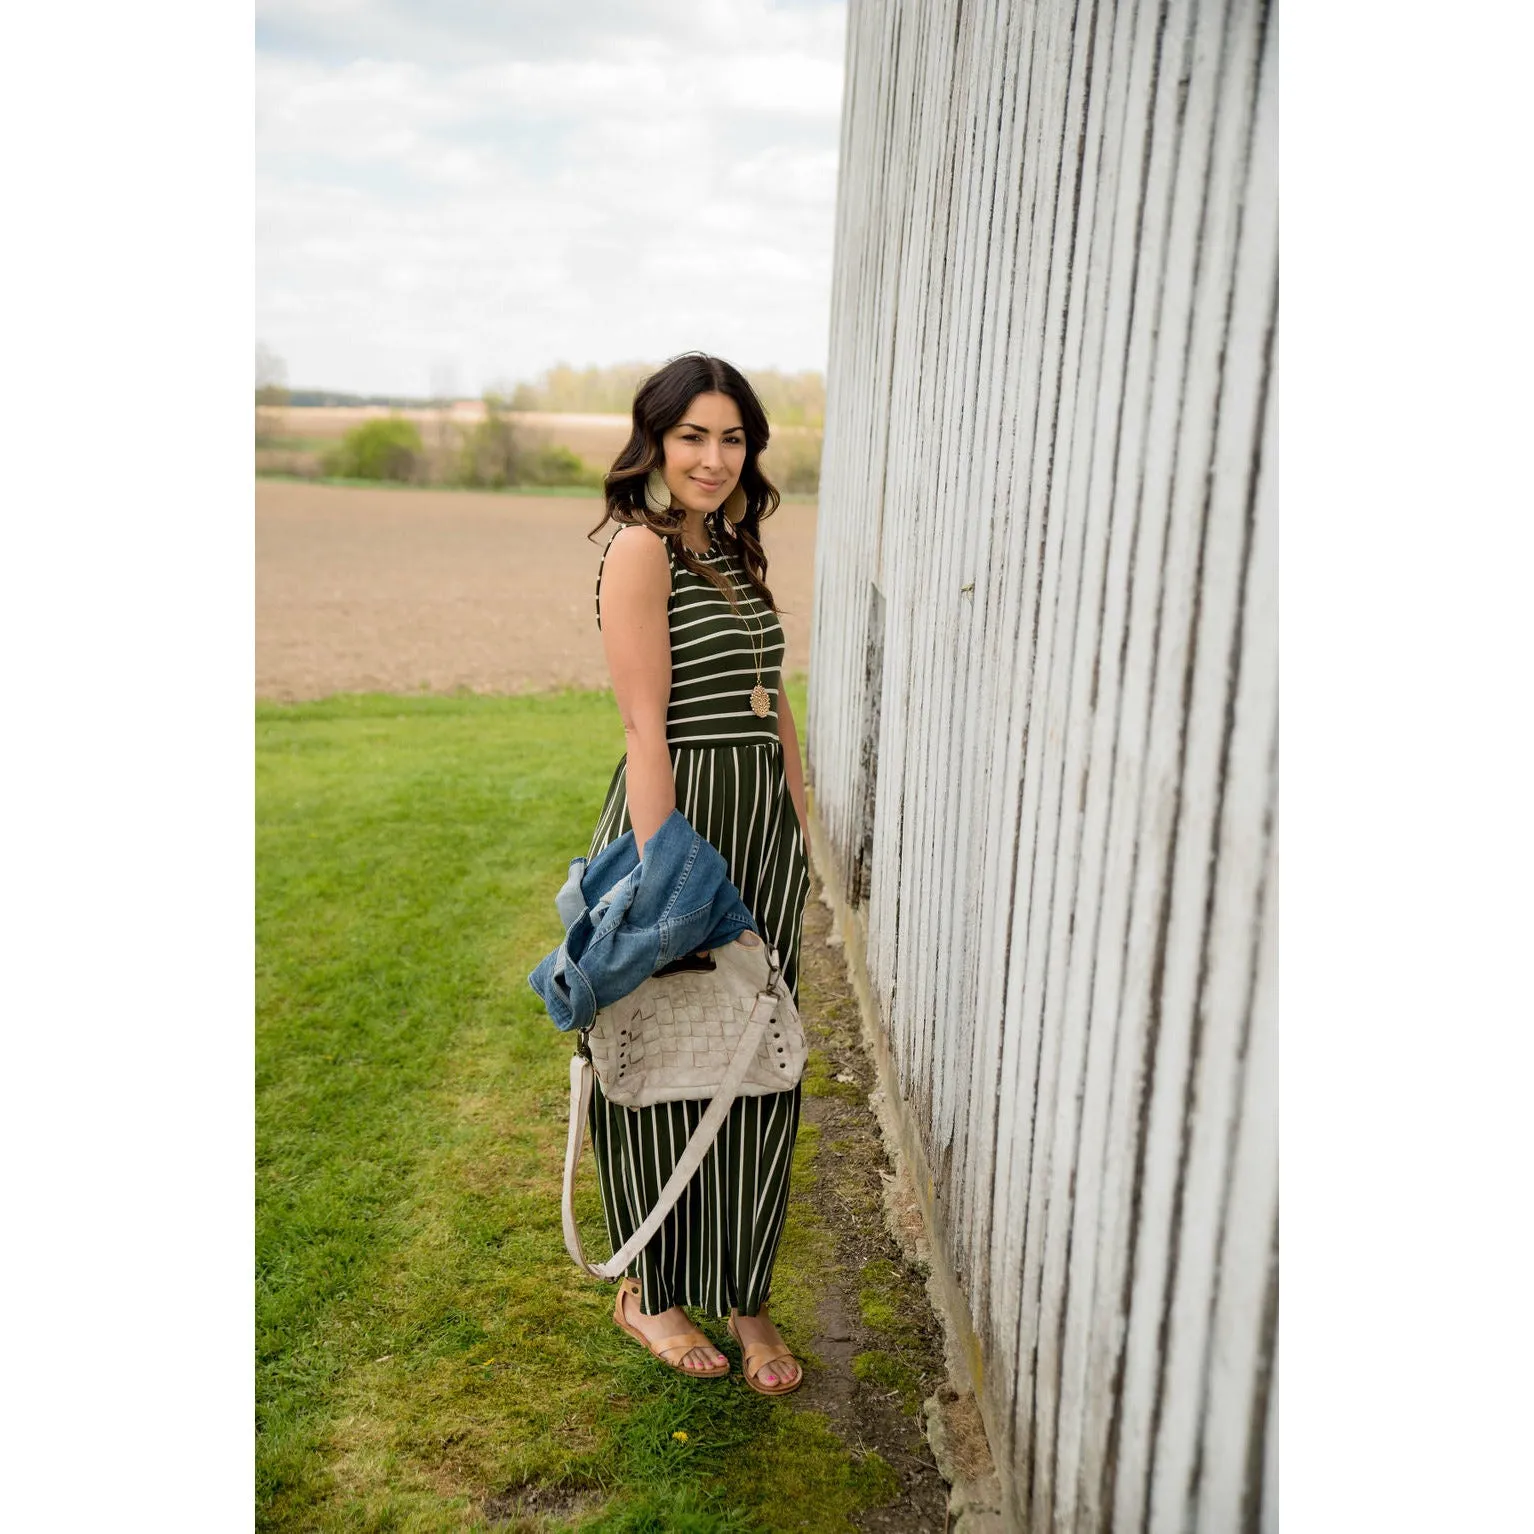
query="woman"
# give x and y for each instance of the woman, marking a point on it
(696, 649)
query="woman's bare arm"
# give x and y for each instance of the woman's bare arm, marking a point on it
(636, 634)
(793, 769)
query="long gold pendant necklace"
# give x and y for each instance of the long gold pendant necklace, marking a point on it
(761, 702)
(761, 699)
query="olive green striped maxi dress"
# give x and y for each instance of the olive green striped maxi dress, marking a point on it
(717, 1246)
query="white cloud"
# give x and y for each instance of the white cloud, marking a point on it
(431, 193)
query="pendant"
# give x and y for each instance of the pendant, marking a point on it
(761, 703)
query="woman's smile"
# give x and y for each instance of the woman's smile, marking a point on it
(704, 453)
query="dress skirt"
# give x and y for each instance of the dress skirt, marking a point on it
(717, 1246)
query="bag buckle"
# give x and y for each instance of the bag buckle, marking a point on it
(582, 1044)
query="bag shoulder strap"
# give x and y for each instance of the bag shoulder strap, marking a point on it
(690, 1160)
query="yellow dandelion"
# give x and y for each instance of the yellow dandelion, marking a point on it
(680, 1436)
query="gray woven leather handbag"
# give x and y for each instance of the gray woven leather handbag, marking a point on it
(717, 1026)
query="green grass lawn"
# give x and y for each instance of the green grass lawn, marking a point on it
(428, 1356)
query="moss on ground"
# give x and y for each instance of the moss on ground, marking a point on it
(893, 1374)
(889, 1296)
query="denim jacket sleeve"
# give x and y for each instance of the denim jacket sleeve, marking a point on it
(625, 918)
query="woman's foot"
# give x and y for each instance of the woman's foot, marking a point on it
(778, 1374)
(669, 1324)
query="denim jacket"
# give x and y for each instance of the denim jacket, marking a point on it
(626, 918)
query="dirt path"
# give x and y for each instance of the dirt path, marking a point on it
(878, 1337)
(434, 590)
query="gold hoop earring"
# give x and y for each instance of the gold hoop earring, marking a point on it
(657, 493)
(734, 507)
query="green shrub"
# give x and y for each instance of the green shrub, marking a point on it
(491, 457)
(386, 448)
(559, 465)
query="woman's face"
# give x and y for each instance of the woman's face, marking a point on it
(705, 452)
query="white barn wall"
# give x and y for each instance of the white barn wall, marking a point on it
(1043, 713)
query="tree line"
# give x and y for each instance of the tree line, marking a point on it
(495, 451)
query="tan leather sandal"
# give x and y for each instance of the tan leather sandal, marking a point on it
(755, 1356)
(669, 1350)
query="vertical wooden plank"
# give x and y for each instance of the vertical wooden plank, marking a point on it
(964, 392)
(997, 582)
(1183, 762)
(851, 507)
(1067, 733)
(982, 518)
(1053, 624)
(1267, 1507)
(823, 727)
(1237, 1410)
(893, 549)
(1231, 717)
(905, 557)
(1041, 162)
(853, 487)
(927, 551)
(1002, 590)
(1233, 1362)
(1071, 1241)
(1132, 589)
(959, 407)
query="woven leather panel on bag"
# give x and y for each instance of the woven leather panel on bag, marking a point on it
(672, 1037)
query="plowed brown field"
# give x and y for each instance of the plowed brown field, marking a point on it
(410, 590)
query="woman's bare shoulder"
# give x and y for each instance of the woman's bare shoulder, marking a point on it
(635, 569)
(635, 553)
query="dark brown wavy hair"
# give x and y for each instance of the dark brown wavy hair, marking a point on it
(659, 403)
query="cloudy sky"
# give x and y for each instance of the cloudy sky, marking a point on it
(454, 193)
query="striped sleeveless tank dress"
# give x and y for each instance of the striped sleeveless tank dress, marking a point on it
(717, 1246)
